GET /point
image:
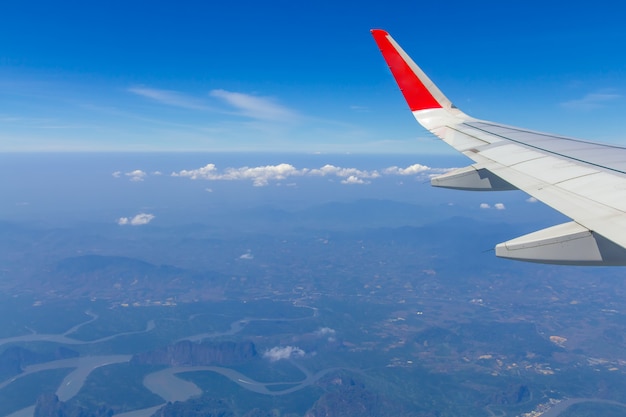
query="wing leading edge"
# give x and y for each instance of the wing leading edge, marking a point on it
(585, 181)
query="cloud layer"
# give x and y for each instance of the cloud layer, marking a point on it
(263, 175)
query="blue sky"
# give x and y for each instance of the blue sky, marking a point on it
(298, 76)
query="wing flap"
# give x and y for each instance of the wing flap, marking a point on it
(565, 244)
(471, 178)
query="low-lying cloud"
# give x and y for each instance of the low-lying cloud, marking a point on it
(277, 353)
(497, 206)
(135, 176)
(410, 170)
(139, 220)
(352, 179)
(260, 176)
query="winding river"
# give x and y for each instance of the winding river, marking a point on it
(164, 383)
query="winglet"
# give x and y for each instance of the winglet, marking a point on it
(418, 90)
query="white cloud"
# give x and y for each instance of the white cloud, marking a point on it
(139, 220)
(354, 180)
(325, 331)
(343, 172)
(260, 176)
(255, 107)
(531, 200)
(350, 175)
(410, 170)
(247, 105)
(497, 206)
(136, 175)
(171, 98)
(277, 353)
(207, 172)
(247, 256)
(591, 101)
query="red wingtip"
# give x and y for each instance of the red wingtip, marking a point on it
(378, 31)
(415, 92)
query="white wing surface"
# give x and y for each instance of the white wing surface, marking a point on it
(585, 181)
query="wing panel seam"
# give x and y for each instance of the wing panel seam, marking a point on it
(545, 135)
(544, 150)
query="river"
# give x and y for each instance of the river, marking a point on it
(565, 404)
(163, 383)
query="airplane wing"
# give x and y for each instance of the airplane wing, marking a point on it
(585, 181)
